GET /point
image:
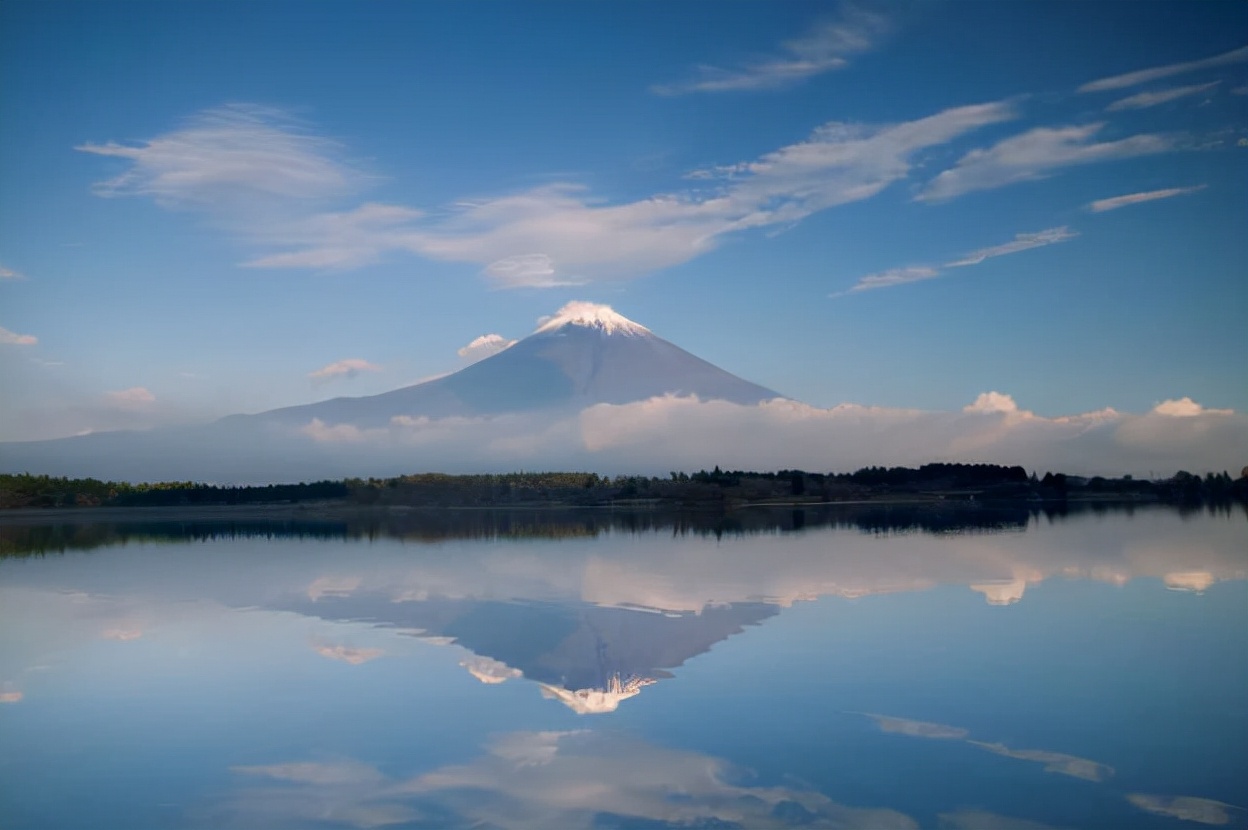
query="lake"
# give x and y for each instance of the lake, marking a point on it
(858, 667)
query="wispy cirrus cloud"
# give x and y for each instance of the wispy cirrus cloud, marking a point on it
(826, 47)
(485, 346)
(12, 338)
(224, 157)
(1144, 100)
(918, 273)
(339, 240)
(1020, 242)
(1036, 154)
(348, 368)
(560, 234)
(894, 276)
(1143, 76)
(10, 274)
(1115, 202)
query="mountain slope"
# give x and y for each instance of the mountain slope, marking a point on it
(584, 355)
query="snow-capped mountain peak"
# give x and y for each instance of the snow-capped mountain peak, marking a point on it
(592, 315)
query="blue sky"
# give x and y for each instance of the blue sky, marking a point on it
(206, 208)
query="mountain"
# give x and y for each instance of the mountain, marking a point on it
(585, 354)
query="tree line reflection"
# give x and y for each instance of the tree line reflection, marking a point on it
(59, 533)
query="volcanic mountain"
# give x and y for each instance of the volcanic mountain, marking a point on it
(585, 354)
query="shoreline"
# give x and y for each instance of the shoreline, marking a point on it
(333, 510)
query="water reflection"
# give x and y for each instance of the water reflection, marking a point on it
(541, 780)
(594, 624)
(1058, 762)
(589, 657)
(918, 728)
(24, 533)
(873, 667)
(984, 820)
(1186, 808)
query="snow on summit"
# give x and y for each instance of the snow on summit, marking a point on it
(592, 315)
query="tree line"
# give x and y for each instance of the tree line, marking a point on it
(717, 486)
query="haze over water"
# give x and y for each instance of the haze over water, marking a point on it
(858, 668)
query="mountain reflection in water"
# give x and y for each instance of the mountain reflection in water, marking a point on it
(401, 669)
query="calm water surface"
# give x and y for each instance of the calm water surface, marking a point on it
(885, 668)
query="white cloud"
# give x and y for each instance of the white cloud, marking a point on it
(582, 239)
(133, 398)
(1035, 154)
(894, 276)
(322, 432)
(1144, 100)
(12, 338)
(226, 156)
(1156, 73)
(1115, 202)
(338, 241)
(10, 274)
(992, 402)
(916, 273)
(528, 271)
(1186, 408)
(263, 177)
(485, 346)
(674, 432)
(1021, 242)
(825, 48)
(348, 368)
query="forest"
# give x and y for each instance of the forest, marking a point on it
(704, 488)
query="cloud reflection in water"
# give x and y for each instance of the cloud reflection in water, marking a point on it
(541, 780)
